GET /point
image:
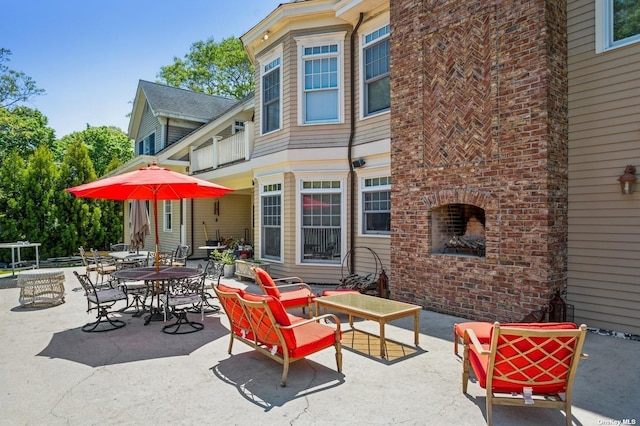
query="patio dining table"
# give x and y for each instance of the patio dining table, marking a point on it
(156, 280)
(128, 258)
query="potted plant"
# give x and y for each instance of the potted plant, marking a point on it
(227, 258)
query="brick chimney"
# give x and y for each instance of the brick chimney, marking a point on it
(479, 118)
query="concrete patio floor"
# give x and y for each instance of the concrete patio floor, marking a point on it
(53, 373)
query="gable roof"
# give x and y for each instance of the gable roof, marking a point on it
(167, 100)
(174, 102)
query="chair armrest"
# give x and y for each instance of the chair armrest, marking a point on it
(297, 285)
(310, 320)
(469, 334)
(296, 279)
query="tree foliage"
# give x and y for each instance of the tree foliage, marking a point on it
(104, 144)
(15, 86)
(23, 129)
(214, 68)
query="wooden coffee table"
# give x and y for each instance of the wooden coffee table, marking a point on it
(372, 308)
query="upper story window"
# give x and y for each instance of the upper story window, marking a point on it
(376, 91)
(147, 146)
(271, 93)
(321, 75)
(617, 23)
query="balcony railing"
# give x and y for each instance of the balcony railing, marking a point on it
(224, 151)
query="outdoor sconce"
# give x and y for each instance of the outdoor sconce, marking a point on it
(628, 180)
(265, 36)
(358, 163)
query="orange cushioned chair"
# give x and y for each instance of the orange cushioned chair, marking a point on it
(261, 322)
(300, 296)
(527, 365)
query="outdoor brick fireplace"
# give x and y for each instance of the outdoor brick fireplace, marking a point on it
(479, 155)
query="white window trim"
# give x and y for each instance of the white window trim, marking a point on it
(604, 31)
(378, 22)
(319, 40)
(166, 228)
(270, 57)
(310, 176)
(261, 182)
(368, 174)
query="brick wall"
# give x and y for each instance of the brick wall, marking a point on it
(478, 114)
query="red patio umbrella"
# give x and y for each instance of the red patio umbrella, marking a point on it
(150, 183)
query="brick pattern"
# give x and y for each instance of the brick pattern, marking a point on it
(478, 113)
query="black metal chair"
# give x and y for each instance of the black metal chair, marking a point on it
(101, 300)
(213, 272)
(180, 256)
(180, 297)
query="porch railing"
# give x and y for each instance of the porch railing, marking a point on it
(237, 147)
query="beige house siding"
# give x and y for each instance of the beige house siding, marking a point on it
(149, 124)
(234, 218)
(604, 238)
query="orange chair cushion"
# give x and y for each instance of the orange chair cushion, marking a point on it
(535, 360)
(239, 322)
(266, 332)
(481, 329)
(311, 338)
(268, 283)
(294, 298)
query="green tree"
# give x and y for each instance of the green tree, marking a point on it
(78, 222)
(112, 215)
(11, 189)
(39, 215)
(15, 86)
(105, 144)
(23, 129)
(214, 68)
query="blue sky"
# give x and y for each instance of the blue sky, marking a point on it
(88, 56)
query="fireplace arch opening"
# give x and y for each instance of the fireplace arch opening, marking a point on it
(458, 229)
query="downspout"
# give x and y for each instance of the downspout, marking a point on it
(352, 189)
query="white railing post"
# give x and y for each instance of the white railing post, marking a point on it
(248, 138)
(216, 151)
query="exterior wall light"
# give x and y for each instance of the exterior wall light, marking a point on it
(265, 36)
(358, 163)
(628, 180)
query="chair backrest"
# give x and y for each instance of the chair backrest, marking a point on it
(266, 283)
(214, 270)
(83, 256)
(190, 285)
(85, 282)
(265, 314)
(229, 298)
(180, 255)
(544, 359)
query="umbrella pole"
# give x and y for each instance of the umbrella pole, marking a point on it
(155, 219)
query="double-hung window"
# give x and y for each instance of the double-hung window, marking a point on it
(376, 96)
(321, 76)
(168, 215)
(617, 23)
(321, 221)
(147, 146)
(271, 221)
(376, 205)
(271, 93)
